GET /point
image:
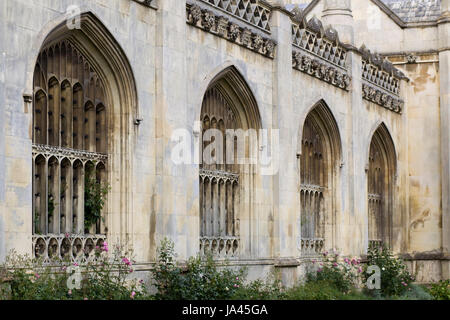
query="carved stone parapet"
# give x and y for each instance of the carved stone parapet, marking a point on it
(230, 29)
(382, 97)
(219, 175)
(321, 69)
(253, 12)
(322, 43)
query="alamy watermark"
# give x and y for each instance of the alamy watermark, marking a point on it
(226, 147)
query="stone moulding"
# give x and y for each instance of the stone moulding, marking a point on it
(318, 52)
(382, 98)
(321, 69)
(72, 154)
(230, 28)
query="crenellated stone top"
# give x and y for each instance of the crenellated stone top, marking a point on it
(317, 40)
(244, 23)
(380, 71)
(318, 52)
(252, 12)
(381, 80)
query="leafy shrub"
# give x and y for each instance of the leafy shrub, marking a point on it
(395, 277)
(200, 279)
(415, 292)
(441, 290)
(270, 289)
(105, 278)
(343, 275)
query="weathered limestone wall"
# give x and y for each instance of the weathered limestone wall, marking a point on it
(24, 27)
(173, 64)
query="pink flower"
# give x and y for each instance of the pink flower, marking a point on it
(69, 292)
(404, 283)
(126, 261)
(66, 234)
(131, 270)
(237, 278)
(133, 294)
(347, 261)
(314, 261)
(353, 261)
(335, 264)
(105, 246)
(359, 269)
(319, 270)
(75, 264)
(63, 268)
(85, 298)
(141, 281)
(37, 275)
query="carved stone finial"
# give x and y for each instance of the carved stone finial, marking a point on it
(331, 34)
(315, 24)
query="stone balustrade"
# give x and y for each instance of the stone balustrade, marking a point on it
(220, 247)
(311, 246)
(66, 247)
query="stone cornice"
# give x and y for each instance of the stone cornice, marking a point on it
(381, 97)
(228, 27)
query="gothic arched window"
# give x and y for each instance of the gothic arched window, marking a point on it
(69, 152)
(320, 151)
(379, 187)
(229, 119)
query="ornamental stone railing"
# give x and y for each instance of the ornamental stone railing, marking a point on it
(60, 153)
(252, 12)
(319, 53)
(381, 81)
(220, 246)
(218, 175)
(53, 248)
(238, 25)
(311, 246)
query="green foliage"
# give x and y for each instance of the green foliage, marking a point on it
(200, 279)
(270, 289)
(105, 279)
(441, 290)
(342, 275)
(395, 277)
(321, 290)
(415, 292)
(95, 194)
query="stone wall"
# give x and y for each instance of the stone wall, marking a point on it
(174, 59)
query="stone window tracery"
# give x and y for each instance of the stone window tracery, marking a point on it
(312, 187)
(219, 181)
(69, 145)
(380, 176)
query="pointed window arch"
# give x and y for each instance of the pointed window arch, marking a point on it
(78, 91)
(228, 104)
(380, 178)
(319, 162)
